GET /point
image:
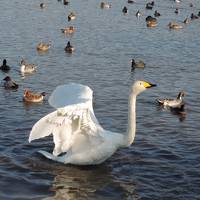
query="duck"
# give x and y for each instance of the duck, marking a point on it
(131, 1)
(9, 83)
(65, 2)
(193, 16)
(68, 30)
(69, 48)
(173, 103)
(138, 14)
(78, 137)
(157, 14)
(176, 11)
(149, 6)
(173, 25)
(138, 64)
(186, 21)
(105, 5)
(32, 97)
(42, 5)
(71, 16)
(43, 47)
(27, 68)
(151, 21)
(4, 67)
(125, 10)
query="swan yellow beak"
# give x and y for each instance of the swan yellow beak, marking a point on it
(148, 85)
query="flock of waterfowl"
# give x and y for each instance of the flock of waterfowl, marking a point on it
(177, 104)
(151, 21)
(28, 68)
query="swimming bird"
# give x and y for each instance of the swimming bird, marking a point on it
(69, 48)
(9, 83)
(71, 16)
(33, 97)
(125, 10)
(77, 134)
(138, 64)
(176, 11)
(173, 103)
(130, 1)
(149, 6)
(26, 67)
(43, 47)
(138, 14)
(173, 25)
(105, 5)
(68, 30)
(42, 5)
(4, 67)
(151, 21)
(65, 2)
(157, 14)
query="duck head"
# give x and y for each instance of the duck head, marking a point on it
(4, 62)
(23, 62)
(7, 78)
(180, 95)
(43, 94)
(132, 61)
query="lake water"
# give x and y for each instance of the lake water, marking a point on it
(164, 160)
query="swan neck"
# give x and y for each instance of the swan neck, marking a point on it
(130, 136)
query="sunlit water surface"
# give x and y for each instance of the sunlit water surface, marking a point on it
(164, 161)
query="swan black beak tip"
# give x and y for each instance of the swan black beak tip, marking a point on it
(152, 85)
(149, 85)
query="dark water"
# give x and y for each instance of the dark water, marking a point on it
(164, 161)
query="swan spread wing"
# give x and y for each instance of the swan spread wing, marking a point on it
(74, 117)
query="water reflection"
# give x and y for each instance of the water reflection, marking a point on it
(181, 114)
(91, 182)
(73, 183)
(27, 105)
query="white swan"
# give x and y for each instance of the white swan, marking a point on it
(77, 132)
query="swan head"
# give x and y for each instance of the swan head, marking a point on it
(140, 86)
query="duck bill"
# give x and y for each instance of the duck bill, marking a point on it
(149, 85)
